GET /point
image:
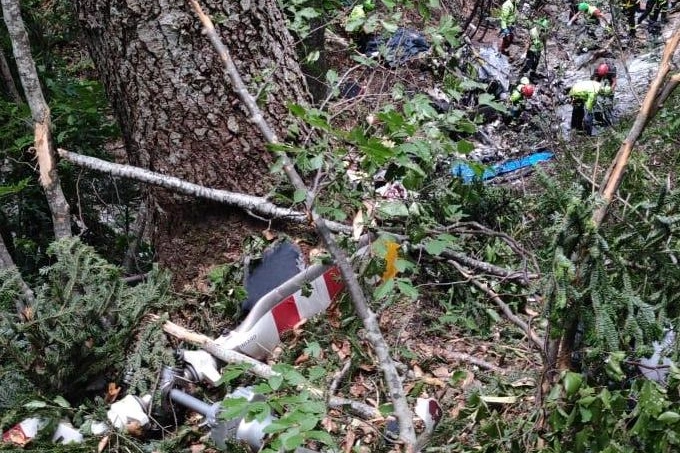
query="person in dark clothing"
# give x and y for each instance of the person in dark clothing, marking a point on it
(535, 49)
(630, 7)
(655, 10)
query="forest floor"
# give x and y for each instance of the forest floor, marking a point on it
(443, 353)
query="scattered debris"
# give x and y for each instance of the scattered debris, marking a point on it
(470, 172)
(657, 367)
(402, 46)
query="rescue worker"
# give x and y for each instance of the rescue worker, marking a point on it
(583, 96)
(654, 9)
(517, 100)
(591, 13)
(508, 18)
(533, 55)
(605, 73)
(630, 7)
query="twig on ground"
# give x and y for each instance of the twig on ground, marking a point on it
(538, 341)
(463, 357)
(338, 377)
(375, 337)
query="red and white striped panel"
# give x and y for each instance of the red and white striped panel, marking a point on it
(262, 338)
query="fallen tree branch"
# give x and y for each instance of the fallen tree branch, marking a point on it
(510, 316)
(614, 175)
(467, 358)
(247, 202)
(392, 379)
(260, 369)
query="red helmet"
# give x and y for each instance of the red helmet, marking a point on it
(527, 90)
(602, 70)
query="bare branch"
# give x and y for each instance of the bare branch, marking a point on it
(9, 80)
(44, 147)
(538, 341)
(614, 174)
(247, 202)
(6, 262)
(375, 337)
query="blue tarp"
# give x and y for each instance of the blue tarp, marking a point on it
(471, 172)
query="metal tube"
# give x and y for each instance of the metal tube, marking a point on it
(276, 295)
(209, 411)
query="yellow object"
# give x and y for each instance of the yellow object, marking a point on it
(390, 261)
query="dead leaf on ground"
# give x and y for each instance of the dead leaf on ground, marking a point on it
(197, 448)
(530, 312)
(342, 350)
(348, 441)
(429, 380)
(358, 390)
(334, 315)
(269, 234)
(367, 367)
(102, 444)
(441, 372)
(358, 225)
(329, 425)
(302, 358)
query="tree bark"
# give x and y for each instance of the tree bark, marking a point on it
(44, 147)
(6, 262)
(178, 117)
(7, 78)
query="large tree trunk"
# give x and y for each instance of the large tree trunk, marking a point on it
(179, 116)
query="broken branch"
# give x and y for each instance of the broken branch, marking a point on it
(247, 202)
(510, 316)
(375, 337)
(614, 174)
(260, 369)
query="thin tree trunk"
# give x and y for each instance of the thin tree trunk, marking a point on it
(9, 80)
(6, 262)
(44, 147)
(138, 228)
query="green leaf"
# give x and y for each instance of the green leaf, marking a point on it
(292, 442)
(321, 436)
(407, 289)
(669, 417)
(389, 26)
(299, 195)
(436, 246)
(493, 315)
(389, 209)
(61, 401)
(35, 404)
(464, 147)
(275, 381)
(275, 427)
(384, 289)
(572, 382)
(308, 423)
